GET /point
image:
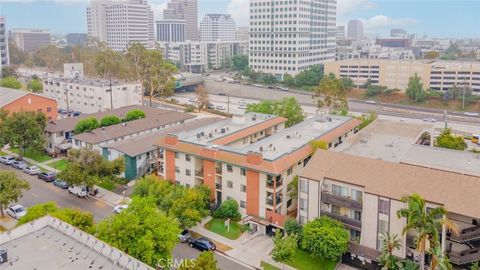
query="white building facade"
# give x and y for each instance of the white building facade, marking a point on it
(30, 40)
(170, 30)
(120, 23)
(4, 57)
(215, 27)
(186, 10)
(291, 36)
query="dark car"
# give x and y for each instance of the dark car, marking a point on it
(47, 176)
(60, 183)
(203, 244)
(221, 94)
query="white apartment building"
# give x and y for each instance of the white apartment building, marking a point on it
(170, 30)
(291, 36)
(89, 95)
(120, 23)
(217, 27)
(29, 40)
(4, 56)
(186, 10)
(198, 57)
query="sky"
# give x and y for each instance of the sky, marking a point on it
(436, 18)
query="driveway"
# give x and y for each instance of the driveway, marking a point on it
(252, 250)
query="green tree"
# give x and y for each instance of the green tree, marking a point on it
(387, 260)
(288, 79)
(78, 218)
(291, 226)
(288, 107)
(10, 82)
(204, 261)
(228, 209)
(319, 145)
(202, 97)
(409, 265)
(426, 223)
(415, 89)
(325, 238)
(347, 83)
(134, 115)
(35, 86)
(374, 90)
(431, 55)
(16, 55)
(109, 120)
(239, 62)
(293, 188)
(310, 77)
(331, 96)
(85, 125)
(11, 189)
(474, 266)
(284, 247)
(450, 141)
(25, 129)
(142, 231)
(440, 260)
(108, 62)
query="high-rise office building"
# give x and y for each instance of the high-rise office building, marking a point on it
(215, 27)
(242, 33)
(120, 23)
(4, 57)
(340, 34)
(184, 10)
(291, 36)
(29, 40)
(77, 39)
(355, 30)
(170, 30)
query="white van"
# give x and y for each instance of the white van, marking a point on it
(80, 191)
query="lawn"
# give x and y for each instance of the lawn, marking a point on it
(217, 226)
(39, 157)
(59, 164)
(267, 266)
(3, 153)
(107, 184)
(302, 260)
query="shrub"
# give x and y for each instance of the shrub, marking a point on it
(228, 209)
(189, 108)
(373, 90)
(86, 124)
(450, 141)
(10, 82)
(325, 238)
(291, 226)
(35, 86)
(134, 115)
(109, 120)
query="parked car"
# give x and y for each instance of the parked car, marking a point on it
(32, 170)
(185, 236)
(371, 102)
(220, 107)
(242, 101)
(470, 114)
(80, 191)
(119, 208)
(47, 176)
(19, 164)
(17, 211)
(271, 87)
(7, 160)
(60, 183)
(431, 120)
(202, 244)
(210, 106)
(242, 106)
(282, 88)
(221, 94)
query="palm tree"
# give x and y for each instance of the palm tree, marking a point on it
(440, 260)
(409, 265)
(426, 223)
(389, 244)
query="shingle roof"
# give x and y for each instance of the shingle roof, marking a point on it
(69, 123)
(9, 95)
(111, 132)
(145, 143)
(459, 193)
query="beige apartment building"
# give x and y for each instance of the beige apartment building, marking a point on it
(365, 195)
(394, 74)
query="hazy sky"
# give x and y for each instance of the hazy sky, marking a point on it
(454, 18)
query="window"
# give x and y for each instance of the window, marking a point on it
(229, 184)
(384, 206)
(289, 171)
(187, 157)
(336, 209)
(229, 168)
(340, 191)
(187, 172)
(302, 220)
(243, 171)
(177, 169)
(49, 109)
(303, 204)
(243, 204)
(303, 186)
(243, 188)
(177, 155)
(382, 226)
(356, 195)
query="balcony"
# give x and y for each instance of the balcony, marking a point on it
(270, 201)
(218, 170)
(465, 257)
(355, 224)
(468, 234)
(341, 201)
(218, 186)
(199, 173)
(271, 184)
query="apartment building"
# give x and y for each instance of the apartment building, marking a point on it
(91, 95)
(170, 30)
(436, 75)
(30, 40)
(339, 186)
(214, 27)
(121, 23)
(4, 56)
(13, 100)
(372, 51)
(250, 159)
(291, 36)
(186, 10)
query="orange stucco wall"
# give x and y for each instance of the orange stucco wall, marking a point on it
(253, 193)
(209, 176)
(277, 219)
(170, 165)
(34, 103)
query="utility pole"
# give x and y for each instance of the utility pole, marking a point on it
(111, 93)
(66, 94)
(463, 101)
(228, 104)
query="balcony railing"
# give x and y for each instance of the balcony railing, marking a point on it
(269, 201)
(218, 170)
(271, 184)
(218, 186)
(199, 173)
(356, 224)
(341, 201)
(468, 234)
(465, 257)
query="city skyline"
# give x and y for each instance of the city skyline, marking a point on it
(378, 16)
